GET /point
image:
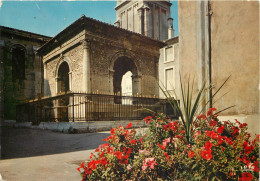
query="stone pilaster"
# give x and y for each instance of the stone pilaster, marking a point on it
(86, 84)
(147, 26)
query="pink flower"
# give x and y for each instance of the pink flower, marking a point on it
(148, 162)
(145, 152)
(128, 167)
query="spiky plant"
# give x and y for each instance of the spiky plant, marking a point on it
(191, 105)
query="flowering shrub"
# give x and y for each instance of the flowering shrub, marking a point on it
(219, 151)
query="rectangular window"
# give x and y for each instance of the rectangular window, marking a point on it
(169, 80)
(169, 54)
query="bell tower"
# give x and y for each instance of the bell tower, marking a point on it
(149, 18)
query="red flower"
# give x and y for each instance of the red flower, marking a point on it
(202, 117)
(228, 140)
(244, 159)
(210, 112)
(128, 151)
(162, 147)
(208, 145)
(246, 177)
(206, 154)
(104, 161)
(255, 166)
(133, 142)
(124, 160)
(220, 129)
(141, 140)
(248, 149)
(148, 119)
(112, 131)
(119, 155)
(87, 171)
(191, 154)
(235, 131)
(213, 123)
(93, 164)
(242, 125)
(173, 126)
(91, 155)
(81, 166)
(167, 156)
(129, 125)
(220, 141)
(101, 155)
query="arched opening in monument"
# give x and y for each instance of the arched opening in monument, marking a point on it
(63, 78)
(127, 87)
(63, 87)
(124, 67)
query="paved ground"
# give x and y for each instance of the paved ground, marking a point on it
(37, 155)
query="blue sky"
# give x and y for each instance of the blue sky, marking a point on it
(49, 18)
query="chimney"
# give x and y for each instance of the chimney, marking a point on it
(170, 29)
(117, 23)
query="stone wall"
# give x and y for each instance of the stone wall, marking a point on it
(234, 49)
(235, 52)
(18, 90)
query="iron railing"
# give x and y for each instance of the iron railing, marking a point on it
(90, 107)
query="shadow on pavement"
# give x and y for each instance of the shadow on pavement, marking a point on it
(18, 142)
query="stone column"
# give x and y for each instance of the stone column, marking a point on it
(147, 27)
(141, 20)
(45, 81)
(57, 84)
(70, 81)
(136, 82)
(86, 67)
(111, 79)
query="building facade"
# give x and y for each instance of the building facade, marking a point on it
(149, 18)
